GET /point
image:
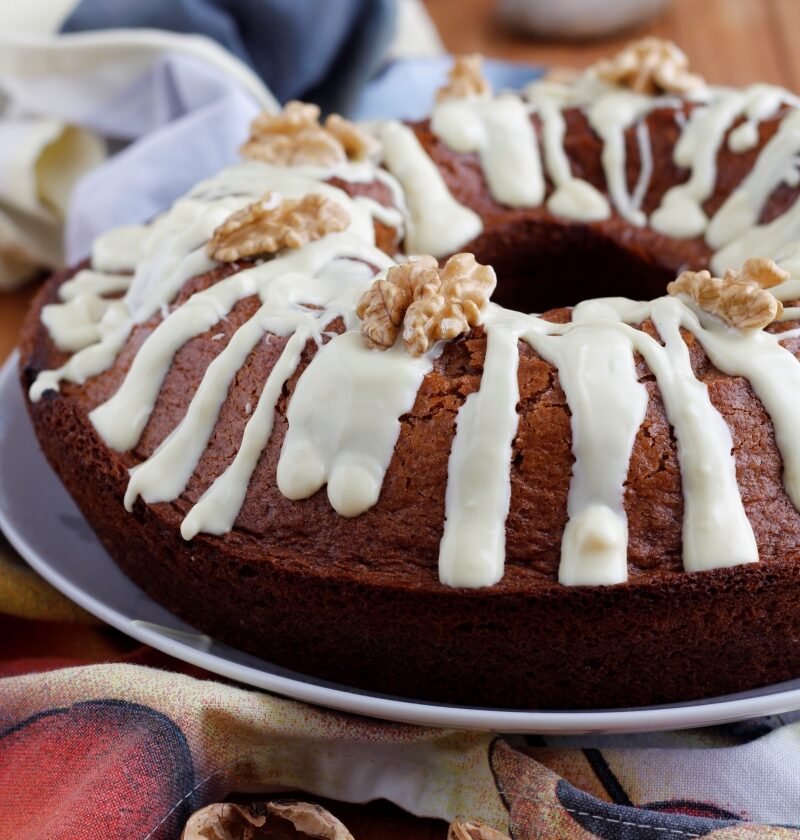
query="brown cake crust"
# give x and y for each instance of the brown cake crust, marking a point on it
(358, 601)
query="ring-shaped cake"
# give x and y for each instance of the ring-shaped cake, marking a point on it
(383, 471)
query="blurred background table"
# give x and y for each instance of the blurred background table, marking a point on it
(729, 42)
(733, 42)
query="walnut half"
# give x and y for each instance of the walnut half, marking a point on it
(465, 79)
(651, 66)
(740, 298)
(425, 303)
(295, 137)
(272, 223)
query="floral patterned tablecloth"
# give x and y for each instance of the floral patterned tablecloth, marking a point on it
(101, 737)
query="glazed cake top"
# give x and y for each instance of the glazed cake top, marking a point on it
(307, 250)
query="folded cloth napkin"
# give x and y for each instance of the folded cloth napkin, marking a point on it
(174, 86)
(321, 52)
(177, 106)
(41, 159)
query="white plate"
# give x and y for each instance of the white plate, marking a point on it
(44, 525)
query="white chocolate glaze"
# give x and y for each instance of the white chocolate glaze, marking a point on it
(716, 531)
(776, 164)
(681, 214)
(500, 131)
(509, 152)
(744, 137)
(607, 404)
(121, 249)
(646, 164)
(579, 200)
(98, 283)
(165, 474)
(334, 291)
(437, 224)
(344, 421)
(121, 420)
(573, 198)
(770, 238)
(81, 321)
(86, 363)
(472, 551)
(217, 509)
(594, 358)
(774, 375)
(610, 116)
(345, 407)
(765, 104)
(172, 250)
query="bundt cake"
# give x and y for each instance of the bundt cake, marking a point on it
(592, 507)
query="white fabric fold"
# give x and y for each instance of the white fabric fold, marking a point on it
(40, 162)
(177, 106)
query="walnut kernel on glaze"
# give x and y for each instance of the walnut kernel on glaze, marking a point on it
(425, 303)
(268, 225)
(295, 136)
(465, 79)
(651, 66)
(740, 298)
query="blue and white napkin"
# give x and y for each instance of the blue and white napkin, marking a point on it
(123, 106)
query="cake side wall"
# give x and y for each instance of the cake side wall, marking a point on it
(686, 637)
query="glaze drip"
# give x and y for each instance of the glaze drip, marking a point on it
(472, 551)
(437, 224)
(344, 421)
(500, 131)
(607, 404)
(217, 509)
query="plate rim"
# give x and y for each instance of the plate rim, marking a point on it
(707, 712)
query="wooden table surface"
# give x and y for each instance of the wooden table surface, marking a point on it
(729, 41)
(733, 42)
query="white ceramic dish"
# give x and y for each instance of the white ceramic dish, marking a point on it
(577, 19)
(44, 525)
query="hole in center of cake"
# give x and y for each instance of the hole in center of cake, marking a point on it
(549, 268)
